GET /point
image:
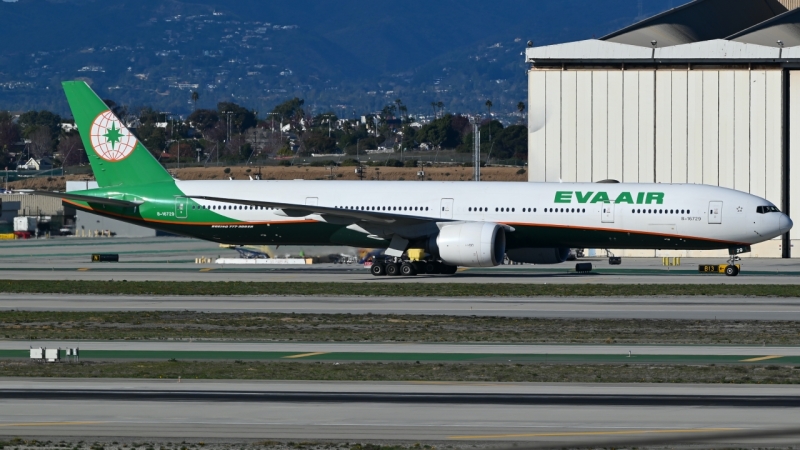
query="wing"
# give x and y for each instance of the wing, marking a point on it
(351, 215)
(88, 199)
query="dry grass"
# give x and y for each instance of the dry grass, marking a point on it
(304, 173)
(401, 371)
(386, 328)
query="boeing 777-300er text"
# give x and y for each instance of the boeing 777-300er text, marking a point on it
(472, 224)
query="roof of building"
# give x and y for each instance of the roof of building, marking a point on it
(784, 28)
(700, 20)
(708, 31)
(707, 51)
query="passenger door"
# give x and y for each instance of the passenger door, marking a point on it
(181, 207)
(608, 213)
(715, 212)
(447, 208)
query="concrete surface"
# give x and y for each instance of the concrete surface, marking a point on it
(340, 420)
(690, 308)
(172, 259)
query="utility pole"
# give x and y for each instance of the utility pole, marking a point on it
(476, 147)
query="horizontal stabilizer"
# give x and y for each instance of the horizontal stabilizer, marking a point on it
(88, 199)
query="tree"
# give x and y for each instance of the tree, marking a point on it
(41, 144)
(489, 107)
(203, 120)
(520, 107)
(32, 120)
(512, 142)
(195, 98)
(241, 118)
(440, 133)
(318, 142)
(70, 147)
(9, 132)
(290, 110)
(433, 105)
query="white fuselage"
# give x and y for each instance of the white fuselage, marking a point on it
(717, 216)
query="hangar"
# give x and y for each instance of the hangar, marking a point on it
(708, 92)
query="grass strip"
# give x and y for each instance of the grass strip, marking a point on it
(164, 443)
(287, 327)
(457, 372)
(383, 288)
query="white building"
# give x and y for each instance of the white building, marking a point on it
(705, 93)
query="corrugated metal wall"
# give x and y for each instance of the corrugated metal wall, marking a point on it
(717, 127)
(713, 127)
(790, 4)
(34, 205)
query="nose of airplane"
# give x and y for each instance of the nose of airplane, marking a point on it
(785, 223)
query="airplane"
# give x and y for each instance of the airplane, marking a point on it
(468, 224)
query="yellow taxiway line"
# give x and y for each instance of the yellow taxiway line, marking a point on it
(596, 433)
(83, 269)
(303, 355)
(762, 358)
(207, 269)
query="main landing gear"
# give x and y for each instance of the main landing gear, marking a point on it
(613, 260)
(395, 267)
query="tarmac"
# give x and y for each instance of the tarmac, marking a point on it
(413, 352)
(666, 307)
(172, 259)
(412, 412)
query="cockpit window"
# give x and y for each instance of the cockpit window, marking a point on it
(767, 209)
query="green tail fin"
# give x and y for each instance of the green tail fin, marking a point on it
(115, 154)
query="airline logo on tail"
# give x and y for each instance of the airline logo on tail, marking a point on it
(110, 139)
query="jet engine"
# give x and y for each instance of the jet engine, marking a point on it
(539, 255)
(471, 244)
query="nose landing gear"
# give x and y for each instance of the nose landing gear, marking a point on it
(732, 268)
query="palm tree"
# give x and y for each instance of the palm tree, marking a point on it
(440, 105)
(489, 107)
(433, 105)
(521, 108)
(195, 98)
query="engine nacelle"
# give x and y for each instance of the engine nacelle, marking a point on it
(539, 255)
(472, 244)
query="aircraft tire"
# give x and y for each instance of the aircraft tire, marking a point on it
(731, 271)
(378, 269)
(432, 267)
(407, 269)
(392, 269)
(448, 269)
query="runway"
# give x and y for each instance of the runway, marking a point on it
(686, 308)
(314, 350)
(330, 273)
(414, 412)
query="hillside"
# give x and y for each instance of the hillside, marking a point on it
(350, 55)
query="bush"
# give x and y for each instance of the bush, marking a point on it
(227, 170)
(394, 163)
(323, 163)
(410, 163)
(285, 163)
(350, 162)
(521, 172)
